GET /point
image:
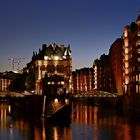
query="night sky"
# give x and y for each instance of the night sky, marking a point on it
(89, 26)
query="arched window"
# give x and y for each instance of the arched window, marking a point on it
(48, 68)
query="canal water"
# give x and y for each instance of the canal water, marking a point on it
(88, 122)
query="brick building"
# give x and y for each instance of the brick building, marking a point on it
(82, 80)
(131, 58)
(116, 57)
(6, 79)
(102, 73)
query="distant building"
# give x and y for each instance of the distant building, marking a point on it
(82, 80)
(6, 79)
(131, 58)
(50, 63)
(116, 61)
(102, 73)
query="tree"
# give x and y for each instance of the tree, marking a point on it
(18, 84)
(30, 81)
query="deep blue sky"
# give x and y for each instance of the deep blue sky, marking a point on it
(89, 26)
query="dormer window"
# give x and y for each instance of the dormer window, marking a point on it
(56, 57)
(45, 57)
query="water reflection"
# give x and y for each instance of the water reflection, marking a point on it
(88, 122)
(93, 122)
(5, 110)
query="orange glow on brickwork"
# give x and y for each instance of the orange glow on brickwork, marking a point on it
(126, 42)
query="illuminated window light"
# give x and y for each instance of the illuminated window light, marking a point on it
(58, 83)
(49, 83)
(126, 80)
(45, 57)
(126, 42)
(66, 101)
(56, 57)
(125, 33)
(126, 65)
(126, 50)
(126, 71)
(62, 82)
(56, 100)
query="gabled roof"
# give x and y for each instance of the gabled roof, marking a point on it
(54, 49)
(51, 51)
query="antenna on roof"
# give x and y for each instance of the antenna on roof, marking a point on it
(17, 61)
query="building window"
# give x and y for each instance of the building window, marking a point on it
(138, 43)
(42, 68)
(137, 88)
(125, 32)
(138, 50)
(126, 50)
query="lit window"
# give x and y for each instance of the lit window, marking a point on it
(125, 33)
(139, 33)
(126, 71)
(56, 57)
(45, 57)
(49, 83)
(126, 65)
(126, 57)
(136, 77)
(126, 42)
(126, 50)
(58, 83)
(137, 88)
(62, 82)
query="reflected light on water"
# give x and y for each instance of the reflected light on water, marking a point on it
(43, 130)
(95, 109)
(4, 114)
(9, 109)
(101, 123)
(55, 133)
(88, 122)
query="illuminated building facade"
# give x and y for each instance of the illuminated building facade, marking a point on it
(115, 54)
(102, 73)
(52, 62)
(82, 80)
(131, 58)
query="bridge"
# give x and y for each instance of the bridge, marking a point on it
(4, 95)
(101, 98)
(96, 94)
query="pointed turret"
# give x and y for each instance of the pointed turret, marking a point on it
(138, 18)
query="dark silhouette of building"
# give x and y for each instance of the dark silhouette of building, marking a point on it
(6, 78)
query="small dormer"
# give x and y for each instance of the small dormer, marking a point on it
(67, 51)
(138, 19)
